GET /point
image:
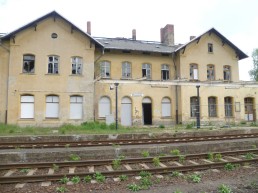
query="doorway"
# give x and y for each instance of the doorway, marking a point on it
(147, 111)
(126, 112)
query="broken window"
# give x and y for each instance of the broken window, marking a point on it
(126, 70)
(193, 71)
(212, 106)
(76, 65)
(28, 64)
(105, 69)
(228, 106)
(194, 108)
(53, 64)
(210, 48)
(164, 72)
(227, 73)
(210, 72)
(146, 71)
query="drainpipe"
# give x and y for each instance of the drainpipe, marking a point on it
(95, 80)
(173, 59)
(7, 82)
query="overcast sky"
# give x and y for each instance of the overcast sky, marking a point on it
(237, 20)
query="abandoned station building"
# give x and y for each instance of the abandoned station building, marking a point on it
(53, 73)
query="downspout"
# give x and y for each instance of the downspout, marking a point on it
(176, 77)
(7, 82)
(95, 80)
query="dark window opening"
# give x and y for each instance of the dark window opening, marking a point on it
(147, 113)
(210, 48)
(28, 64)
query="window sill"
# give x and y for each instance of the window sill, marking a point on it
(76, 75)
(51, 119)
(168, 117)
(124, 78)
(26, 119)
(101, 118)
(27, 73)
(213, 117)
(229, 117)
(49, 74)
(210, 52)
(194, 80)
(106, 78)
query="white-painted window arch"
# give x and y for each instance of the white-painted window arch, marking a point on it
(52, 106)
(146, 100)
(76, 109)
(166, 107)
(27, 107)
(104, 106)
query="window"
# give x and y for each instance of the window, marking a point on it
(194, 106)
(27, 107)
(227, 72)
(76, 65)
(228, 106)
(210, 72)
(210, 48)
(53, 64)
(166, 107)
(105, 69)
(164, 72)
(104, 106)
(146, 71)
(52, 106)
(212, 107)
(75, 107)
(28, 64)
(193, 71)
(126, 70)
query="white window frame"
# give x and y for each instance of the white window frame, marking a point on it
(105, 69)
(76, 107)
(227, 72)
(104, 107)
(52, 106)
(164, 72)
(146, 70)
(126, 70)
(193, 71)
(28, 63)
(76, 65)
(210, 72)
(193, 106)
(27, 107)
(228, 105)
(166, 107)
(53, 64)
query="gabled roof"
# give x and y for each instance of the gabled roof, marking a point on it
(224, 40)
(135, 45)
(53, 14)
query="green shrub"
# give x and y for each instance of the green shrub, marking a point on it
(99, 177)
(211, 156)
(145, 174)
(64, 180)
(175, 152)
(249, 156)
(161, 126)
(224, 189)
(145, 183)
(75, 179)
(145, 154)
(133, 187)
(116, 164)
(196, 178)
(123, 177)
(156, 161)
(87, 178)
(74, 157)
(230, 166)
(218, 157)
(61, 189)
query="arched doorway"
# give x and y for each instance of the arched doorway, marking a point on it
(249, 109)
(147, 111)
(126, 111)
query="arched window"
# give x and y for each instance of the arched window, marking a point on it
(76, 107)
(210, 72)
(104, 106)
(126, 70)
(166, 107)
(194, 106)
(227, 73)
(76, 65)
(105, 69)
(52, 106)
(228, 102)
(212, 106)
(28, 63)
(164, 72)
(193, 71)
(27, 107)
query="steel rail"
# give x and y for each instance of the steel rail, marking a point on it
(93, 143)
(56, 177)
(123, 161)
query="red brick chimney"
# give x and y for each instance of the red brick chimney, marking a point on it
(167, 35)
(89, 27)
(134, 34)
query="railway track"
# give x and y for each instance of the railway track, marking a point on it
(130, 167)
(93, 143)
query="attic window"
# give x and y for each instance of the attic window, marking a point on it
(210, 48)
(54, 35)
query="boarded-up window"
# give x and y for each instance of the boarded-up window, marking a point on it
(104, 106)
(27, 107)
(52, 106)
(75, 107)
(166, 107)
